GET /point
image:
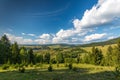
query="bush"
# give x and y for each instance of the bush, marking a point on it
(21, 69)
(50, 68)
(76, 69)
(31, 65)
(53, 61)
(70, 66)
(16, 66)
(117, 72)
(5, 67)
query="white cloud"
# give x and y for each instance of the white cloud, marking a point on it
(18, 39)
(94, 37)
(111, 37)
(45, 36)
(23, 33)
(103, 12)
(33, 35)
(42, 41)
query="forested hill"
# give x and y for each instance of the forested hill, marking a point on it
(108, 42)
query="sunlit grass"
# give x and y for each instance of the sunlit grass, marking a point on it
(86, 72)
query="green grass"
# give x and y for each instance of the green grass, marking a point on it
(85, 72)
(103, 48)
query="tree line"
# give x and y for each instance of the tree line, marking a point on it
(96, 57)
(13, 54)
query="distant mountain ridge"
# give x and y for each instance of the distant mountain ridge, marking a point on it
(108, 42)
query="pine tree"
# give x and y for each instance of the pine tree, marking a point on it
(60, 58)
(96, 56)
(15, 53)
(23, 55)
(47, 58)
(109, 56)
(5, 44)
(31, 56)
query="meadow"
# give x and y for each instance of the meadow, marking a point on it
(84, 72)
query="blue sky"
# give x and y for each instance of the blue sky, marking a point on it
(59, 21)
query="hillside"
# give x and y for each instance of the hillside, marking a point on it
(108, 42)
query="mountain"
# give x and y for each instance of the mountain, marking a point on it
(108, 42)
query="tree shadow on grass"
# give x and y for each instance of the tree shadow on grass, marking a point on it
(59, 74)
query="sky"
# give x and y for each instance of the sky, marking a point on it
(59, 21)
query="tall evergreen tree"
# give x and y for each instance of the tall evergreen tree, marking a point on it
(47, 58)
(23, 55)
(31, 56)
(109, 56)
(15, 53)
(60, 58)
(96, 56)
(5, 43)
(118, 53)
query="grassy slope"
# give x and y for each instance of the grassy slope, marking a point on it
(86, 72)
(103, 48)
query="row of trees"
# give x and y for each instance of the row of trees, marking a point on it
(111, 58)
(12, 54)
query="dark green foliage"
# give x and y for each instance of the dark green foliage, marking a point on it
(78, 59)
(21, 69)
(70, 66)
(109, 56)
(5, 67)
(76, 69)
(5, 53)
(117, 73)
(60, 58)
(96, 56)
(47, 58)
(15, 53)
(16, 66)
(70, 60)
(50, 68)
(31, 65)
(53, 61)
(39, 58)
(31, 56)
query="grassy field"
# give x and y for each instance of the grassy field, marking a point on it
(103, 48)
(84, 72)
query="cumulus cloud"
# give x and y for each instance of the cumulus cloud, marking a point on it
(94, 37)
(102, 13)
(45, 36)
(44, 39)
(18, 39)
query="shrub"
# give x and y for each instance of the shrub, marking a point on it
(31, 65)
(117, 72)
(70, 66)
(53, 61)
(21, 69)
(50, 68)
(16, 66)
(5, 67)
(76, 69)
